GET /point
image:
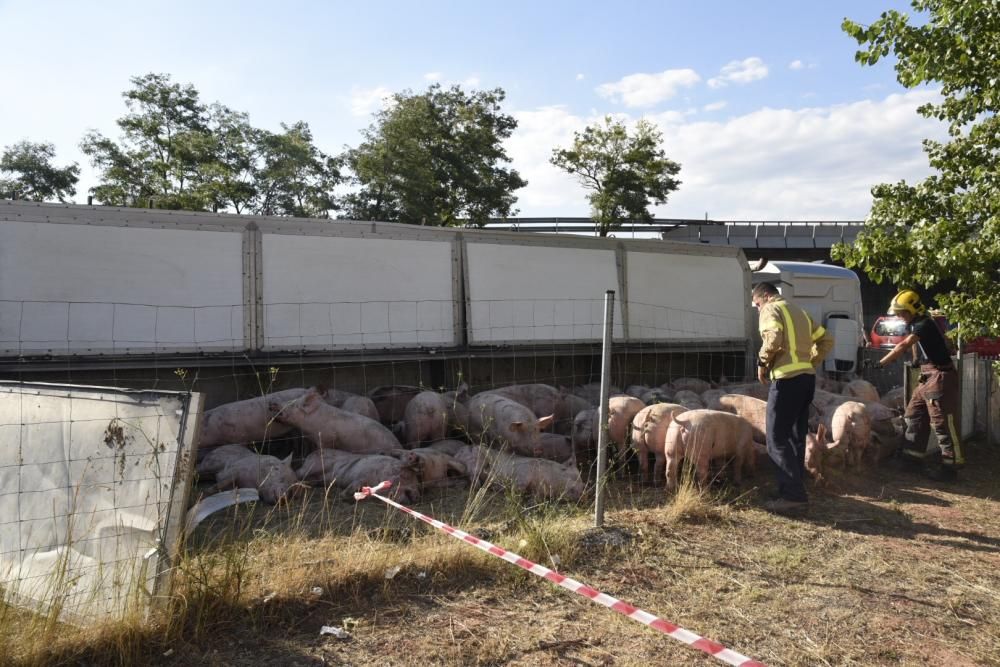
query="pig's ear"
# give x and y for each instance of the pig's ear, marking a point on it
(462, 392)
(830, 446)
(821, 433)
(545, 422)
(517, 426)
(287, 460)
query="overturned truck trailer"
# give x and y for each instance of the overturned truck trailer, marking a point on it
(127, 296)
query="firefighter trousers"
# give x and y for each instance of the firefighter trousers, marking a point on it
(934, 405)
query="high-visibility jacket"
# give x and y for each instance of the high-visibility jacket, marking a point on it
(792, 343)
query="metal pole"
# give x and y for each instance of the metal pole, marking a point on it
(989, 402)
(602, 410)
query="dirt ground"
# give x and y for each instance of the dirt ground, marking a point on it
(887, 569)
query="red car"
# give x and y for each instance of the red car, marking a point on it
(889, 330)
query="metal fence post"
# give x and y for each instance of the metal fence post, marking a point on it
(602, 411)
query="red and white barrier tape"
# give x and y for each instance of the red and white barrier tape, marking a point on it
(714, 649)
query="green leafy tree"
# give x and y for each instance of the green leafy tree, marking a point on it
(626, 172)
(166, 140)
(229, 178)
(944, 230)
(295, 178)
(27, 172)
(436, 158)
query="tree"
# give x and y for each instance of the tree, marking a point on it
(32, 174)
(944, 230)
(166, 141)
(625, 172)
(436, 158)
(295, 178)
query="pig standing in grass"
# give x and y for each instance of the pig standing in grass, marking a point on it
(252, 420)
(704, 435)
(350, 472)
(506, 423)
(540, 478)
(235, 466)
(649, 432)
(327, 426)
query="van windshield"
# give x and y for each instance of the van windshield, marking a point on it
(890, 328)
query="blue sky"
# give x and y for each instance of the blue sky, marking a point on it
(761, 102)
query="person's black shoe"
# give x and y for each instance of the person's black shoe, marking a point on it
(787, 507)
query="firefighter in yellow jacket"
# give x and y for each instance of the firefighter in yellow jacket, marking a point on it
(792, 347)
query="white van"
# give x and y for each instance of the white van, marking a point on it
(831, 295)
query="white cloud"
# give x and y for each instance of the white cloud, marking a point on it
(796, 65)
(646, 90)
(471, 81)
(715, 106)
(814, 163)
(432, 76)
(740, 72)
(579, 77)
(364, 101)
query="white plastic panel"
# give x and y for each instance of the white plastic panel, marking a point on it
(678, 296)
(84, 289)
(326, 292)
(843, 357)
(89, 479)
(522, 293)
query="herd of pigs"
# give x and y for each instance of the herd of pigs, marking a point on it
(533, 438)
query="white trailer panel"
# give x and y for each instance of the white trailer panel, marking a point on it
(335, 292)
(93, 487)
(87, 289)
(675, 296)
(538, 293)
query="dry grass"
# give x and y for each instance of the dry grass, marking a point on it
(887, 569)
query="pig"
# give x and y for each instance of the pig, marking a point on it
(345, 400)
(350, 472)
(636, 390)
(649, 428)
(711, 398)
(425, 419)
(555, 447)
(247, 421)
(543, 399)
(327, 426)
(817, 451)
(621, 410)
(658, 395)
(893, 399)
(235, 466)
(506, 423)
(754, 389)
(438, 468)
(569, 408)
(704, 435)
(696, 385)
(751, 409)
(449, 447)
(826, 384)
(457, 402)
(861, 389)
(540, 478)
(476, 460)
(591, 392)
(689, 399)
(391, 400)
(851, 429)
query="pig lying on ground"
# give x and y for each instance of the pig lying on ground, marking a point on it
(540, 478)
(751, 409)
(558, 448)
(658, 395)
(826, 384)
(649, 431)
(327, 426)
(246, 421)
(235, 466)
(345, 400)
(457, 402)
(502, 422)
(449, 447)
(350, 472)
(438, 468)
(636, 390)
(893, 399)
(697, 385)
(591, 392)
(689, 399)
(704, 435)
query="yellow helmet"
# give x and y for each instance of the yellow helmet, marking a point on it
(909, 301)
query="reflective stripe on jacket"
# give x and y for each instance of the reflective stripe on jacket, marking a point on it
(789, 337)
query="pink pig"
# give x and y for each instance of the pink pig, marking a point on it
(649, 431)
(235, 466)
(350, 472)
(704, 435)
(327, 426)
(504, 422)
(252, 420)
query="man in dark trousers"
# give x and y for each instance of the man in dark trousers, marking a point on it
(792, 346)
(935, 400)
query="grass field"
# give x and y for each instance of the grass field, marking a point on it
(887, 569)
